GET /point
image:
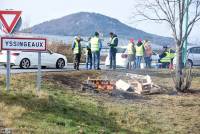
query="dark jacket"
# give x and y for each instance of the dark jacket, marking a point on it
(89, 52)
(115, 43)
(139, 44)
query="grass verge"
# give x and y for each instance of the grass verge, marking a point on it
(60, 108)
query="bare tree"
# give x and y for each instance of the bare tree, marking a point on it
(173, 12)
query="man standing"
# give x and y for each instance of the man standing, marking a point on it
(113, 50)
(148, 53)
(88, 55)
(131, 54)
(76, 48)
(95, 48)
(139, 52)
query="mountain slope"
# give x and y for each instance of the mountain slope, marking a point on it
(86, 24)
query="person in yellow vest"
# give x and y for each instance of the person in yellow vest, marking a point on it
(131, 54)
(166, 57)
(139, 47)
(113, 50)
(76, 48)
(95, 49)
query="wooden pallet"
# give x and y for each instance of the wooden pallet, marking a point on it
(140, 83)
(103, 85)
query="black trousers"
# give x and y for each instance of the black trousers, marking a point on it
(77, 58)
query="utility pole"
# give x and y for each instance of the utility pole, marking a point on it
(186, 18)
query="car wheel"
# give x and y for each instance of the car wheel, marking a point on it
(25, 63)
(60, 63)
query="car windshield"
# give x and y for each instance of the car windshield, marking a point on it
(121, 50)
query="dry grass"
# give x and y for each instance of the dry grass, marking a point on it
(61, 108)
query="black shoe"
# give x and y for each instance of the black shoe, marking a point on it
(98, 68)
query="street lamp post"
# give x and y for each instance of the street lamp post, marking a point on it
(186, 17)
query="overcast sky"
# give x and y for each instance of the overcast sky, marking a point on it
(37, 11)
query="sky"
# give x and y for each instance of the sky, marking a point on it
(37, 11)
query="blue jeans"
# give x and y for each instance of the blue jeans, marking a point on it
(134, 64)
(112, 58)
(96, 59)
(148, 61)
(89, 61)
(138, 61)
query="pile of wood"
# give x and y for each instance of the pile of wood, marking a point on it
(103, 85)
(138, 84)
(143, 84)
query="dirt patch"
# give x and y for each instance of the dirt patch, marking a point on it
(71, 79)
(74, 79)
(190, 92)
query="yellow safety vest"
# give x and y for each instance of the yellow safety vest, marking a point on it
(94, 44)
(167, 58)
(112, 41)
(130, 48)
(139, 50)
(172, 55)
(76, 48)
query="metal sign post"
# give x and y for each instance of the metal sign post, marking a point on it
(39, 72)
(19, 44)
(8, 71)
(9, 29)
(23, 44)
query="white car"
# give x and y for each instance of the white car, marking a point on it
(122, 60)
(193, 56)
(25, 59)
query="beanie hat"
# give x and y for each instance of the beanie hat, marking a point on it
(139, 40)
(131, 40)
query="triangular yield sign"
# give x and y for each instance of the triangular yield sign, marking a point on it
(9, 27)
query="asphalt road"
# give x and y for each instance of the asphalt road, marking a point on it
(15, 69)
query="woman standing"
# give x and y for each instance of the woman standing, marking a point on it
(131, 54)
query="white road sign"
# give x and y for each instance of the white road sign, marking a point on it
(27, 44)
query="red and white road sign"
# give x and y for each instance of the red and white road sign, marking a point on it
(9, 27)
(26, 44)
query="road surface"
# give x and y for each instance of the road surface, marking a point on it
(15, 70)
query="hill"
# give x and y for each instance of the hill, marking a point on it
(86, 24)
